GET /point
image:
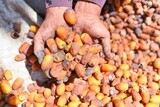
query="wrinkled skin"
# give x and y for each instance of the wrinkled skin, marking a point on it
(53, 19)
(87, 21)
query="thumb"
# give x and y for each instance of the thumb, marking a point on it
(78, 27)
(41, 36)
(97, 30)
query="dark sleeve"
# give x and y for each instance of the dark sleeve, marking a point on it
(98, 2)
(58, 3)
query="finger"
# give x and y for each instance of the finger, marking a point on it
(106, 47)
(97, 30)
(47, 73)
(77, 27)
(38, 47)
(41, 36)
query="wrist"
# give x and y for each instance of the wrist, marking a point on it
(88, 7)
(53, 11)
(58, 3)
(98, 2)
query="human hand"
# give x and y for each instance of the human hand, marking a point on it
(54, 18)
(88, 20)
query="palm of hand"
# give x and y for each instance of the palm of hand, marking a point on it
(54, 18)
(91, 24)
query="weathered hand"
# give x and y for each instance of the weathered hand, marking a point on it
(88, 20)
(54, 18)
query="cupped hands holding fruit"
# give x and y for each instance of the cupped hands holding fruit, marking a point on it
(84, 19)
(88, 21)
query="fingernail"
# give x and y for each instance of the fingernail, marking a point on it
(40, 55)
(108, 55)
(47, 73)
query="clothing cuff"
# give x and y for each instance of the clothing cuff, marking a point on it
(98, 2)
(58, 3)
